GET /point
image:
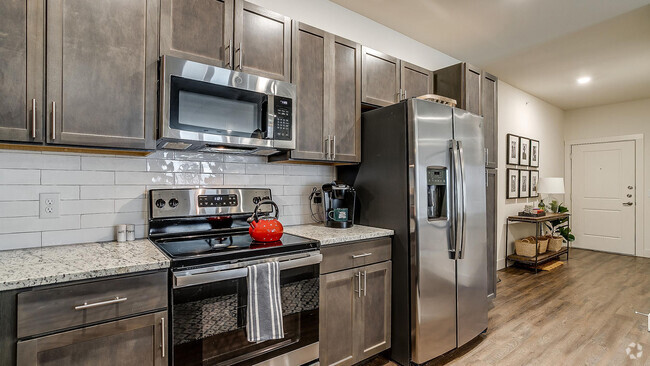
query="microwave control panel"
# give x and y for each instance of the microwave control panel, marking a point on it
(283, 118)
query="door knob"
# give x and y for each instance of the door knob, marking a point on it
(628, 203)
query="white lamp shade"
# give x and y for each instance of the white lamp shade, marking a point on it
(551, 185)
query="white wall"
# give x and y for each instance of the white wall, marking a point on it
(100, 191)
(628, 118)
(525, 115)
(338, 20)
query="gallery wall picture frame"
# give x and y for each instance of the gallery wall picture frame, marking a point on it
(512, 185)
(534, 181)
(524, 151)
(512, 146)
(524, 183)
(534, 153)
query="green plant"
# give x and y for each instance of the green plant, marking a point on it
(556, 225)
(554, 206)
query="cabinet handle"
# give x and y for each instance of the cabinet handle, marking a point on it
(53, 120)
(229, 48)
(404, 94)
(358, 276)
(365, 283)
(328, 146)
(33, 118)
(361, 255)
(86, 305)
(162, 336)
(334, 147)
(399, 95)
(241, 51)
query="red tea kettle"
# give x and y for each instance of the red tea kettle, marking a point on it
(265, 228)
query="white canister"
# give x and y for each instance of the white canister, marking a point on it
(130, 232)
(121, 232)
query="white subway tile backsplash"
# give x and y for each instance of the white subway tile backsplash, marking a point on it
(100, 191)
(18, 241)
(76, 177)
(18, 208)
(20, 176)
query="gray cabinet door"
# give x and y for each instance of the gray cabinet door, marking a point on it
(472, 94)
(380, 74)
(339, 307)
(312, 86)
(489, 103)
(197, 30)
(21, 70)
(346, 101)
(461, 82)
(101, 72)
(491, 209)
(262, 42)
(374, 322)
(138, 341)
(415, 80)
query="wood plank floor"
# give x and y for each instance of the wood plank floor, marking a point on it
(579, 314)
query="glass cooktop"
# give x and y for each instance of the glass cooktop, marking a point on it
(217, 248)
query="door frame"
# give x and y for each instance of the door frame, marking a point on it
(639, 182)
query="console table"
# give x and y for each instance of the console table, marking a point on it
(539, 222)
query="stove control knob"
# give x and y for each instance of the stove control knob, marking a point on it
(173, 202)
(256, 200)
(160, 203)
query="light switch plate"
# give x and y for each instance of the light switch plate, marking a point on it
(49, 205)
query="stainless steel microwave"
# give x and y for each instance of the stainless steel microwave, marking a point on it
(208, 108)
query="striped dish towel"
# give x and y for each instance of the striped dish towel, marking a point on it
(264, 319)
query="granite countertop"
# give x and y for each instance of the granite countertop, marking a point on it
(328, 235)
(43, 266)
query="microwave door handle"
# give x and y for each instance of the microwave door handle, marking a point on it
(199, 276)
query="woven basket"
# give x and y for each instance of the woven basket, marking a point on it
(554, 243)
(525, 247)
(543, 244)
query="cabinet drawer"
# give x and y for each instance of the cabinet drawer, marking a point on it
(47, 310)
(349, 255)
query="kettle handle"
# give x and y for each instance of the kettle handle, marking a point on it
(266, 202)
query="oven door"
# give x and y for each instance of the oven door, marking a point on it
(209, 314)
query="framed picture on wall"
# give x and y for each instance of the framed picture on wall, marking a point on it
(534, 153)
(524, 183)
(524, 151)
(534, 181)
(513, 183)
(512, 157)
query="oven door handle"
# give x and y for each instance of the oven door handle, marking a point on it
(202, 276)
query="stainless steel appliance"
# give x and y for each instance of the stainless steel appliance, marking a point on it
(205, 234)
(423, 175)
(208, 108)
(339, 202)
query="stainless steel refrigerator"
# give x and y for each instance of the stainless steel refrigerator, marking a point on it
(423, 175)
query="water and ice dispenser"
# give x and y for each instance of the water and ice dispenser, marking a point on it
(436, 193)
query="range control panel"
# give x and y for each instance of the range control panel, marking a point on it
(217, 200)
(283, 118)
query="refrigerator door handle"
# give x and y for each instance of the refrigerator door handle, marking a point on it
(454, 194)
(463, 205)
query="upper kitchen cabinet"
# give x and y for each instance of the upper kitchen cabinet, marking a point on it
(461, 82)
(380, 75)
(489, 101)
(415, 80)
(21, 70)
(262, 42)
(198, 30)
(326, 70)
(101, 72)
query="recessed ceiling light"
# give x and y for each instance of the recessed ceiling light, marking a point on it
(584, 80)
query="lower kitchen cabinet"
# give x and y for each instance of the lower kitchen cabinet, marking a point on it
(355, 305)
(138, 341)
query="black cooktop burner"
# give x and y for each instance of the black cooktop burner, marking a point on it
(213, 248)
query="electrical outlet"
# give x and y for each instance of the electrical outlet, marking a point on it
(49, 205)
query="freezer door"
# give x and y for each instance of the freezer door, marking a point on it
(472, 264)
(433, 292)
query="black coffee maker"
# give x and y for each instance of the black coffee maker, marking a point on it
(339, 201)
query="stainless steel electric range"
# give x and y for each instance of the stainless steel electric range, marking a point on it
(205, 234)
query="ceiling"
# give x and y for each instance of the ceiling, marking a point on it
(539, 46)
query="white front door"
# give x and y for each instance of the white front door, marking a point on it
(603, 196)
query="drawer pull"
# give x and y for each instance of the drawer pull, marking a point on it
(86, 305)
(361, 255)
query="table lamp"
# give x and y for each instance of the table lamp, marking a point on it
(550, 186)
